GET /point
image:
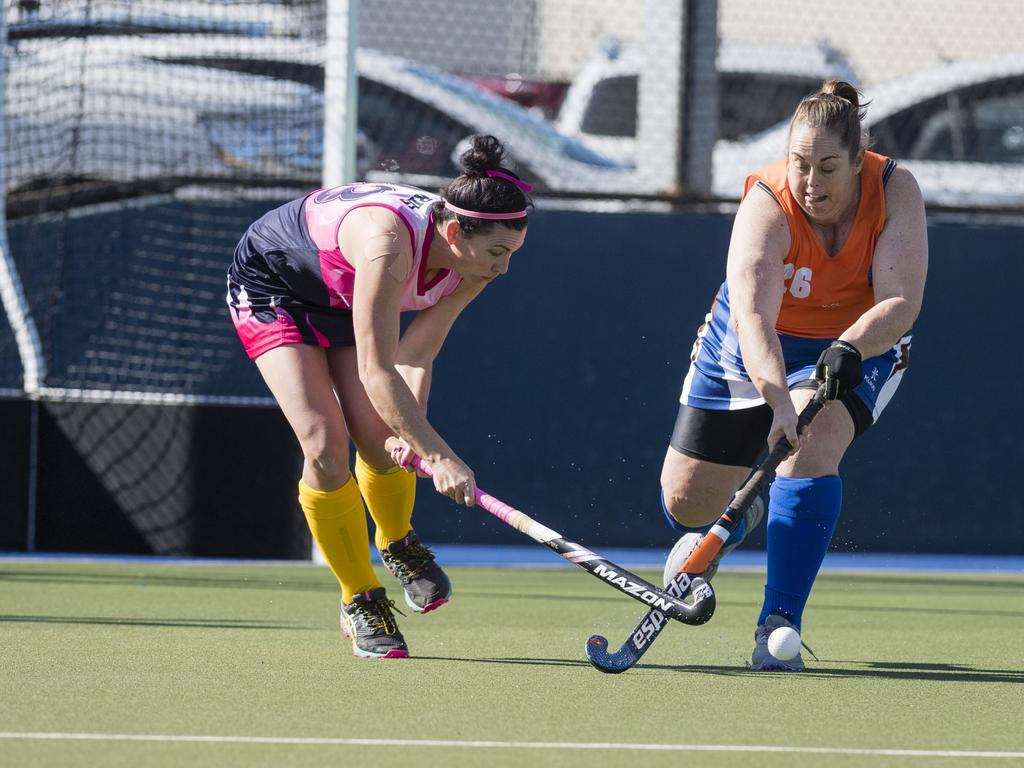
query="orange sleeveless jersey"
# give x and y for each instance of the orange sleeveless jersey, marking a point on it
(826, 294)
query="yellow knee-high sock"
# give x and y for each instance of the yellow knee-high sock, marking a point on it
(389, 495)
(337, 520)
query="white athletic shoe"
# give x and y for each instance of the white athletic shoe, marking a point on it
(762, 659)
(690, 541)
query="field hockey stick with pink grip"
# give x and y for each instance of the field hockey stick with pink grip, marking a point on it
(689, 576)
(696, 612)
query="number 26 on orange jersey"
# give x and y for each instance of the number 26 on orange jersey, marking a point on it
(798, 280)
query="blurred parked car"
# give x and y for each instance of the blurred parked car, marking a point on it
(36, 18)
(959, 128)
(130, 114)
(758, 85)
(411, 118)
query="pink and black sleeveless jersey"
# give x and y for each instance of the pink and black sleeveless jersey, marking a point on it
(291, 257)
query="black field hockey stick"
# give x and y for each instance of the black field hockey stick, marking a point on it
(697, 611)
(689, 576)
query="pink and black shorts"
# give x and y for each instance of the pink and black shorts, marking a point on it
(276, 295)
(267, 325)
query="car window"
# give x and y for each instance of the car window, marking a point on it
(406, 135)
(983, 123)
(998, 129)
(611, 110)
(749, 103)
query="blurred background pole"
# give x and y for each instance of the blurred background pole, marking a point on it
(659, 129)
(700, 97)
(340, 92)
(677, 98)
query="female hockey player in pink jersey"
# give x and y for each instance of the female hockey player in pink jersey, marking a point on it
(315, 291)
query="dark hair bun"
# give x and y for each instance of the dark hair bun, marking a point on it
(843, 90)
(485, 154)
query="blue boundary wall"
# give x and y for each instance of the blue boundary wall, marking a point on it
(519, 556)
(560, 386)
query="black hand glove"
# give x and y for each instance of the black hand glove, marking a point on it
(842, 367)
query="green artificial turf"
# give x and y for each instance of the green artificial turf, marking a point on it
(906, 662)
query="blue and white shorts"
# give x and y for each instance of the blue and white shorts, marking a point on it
(724, 419)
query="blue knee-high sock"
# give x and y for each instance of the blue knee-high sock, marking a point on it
(802, 514)
(734, 537)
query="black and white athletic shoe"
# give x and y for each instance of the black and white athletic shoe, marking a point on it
(369, 623)
(426, 586)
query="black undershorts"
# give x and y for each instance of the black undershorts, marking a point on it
(737, 438)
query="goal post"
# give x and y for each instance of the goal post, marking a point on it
(341, 84)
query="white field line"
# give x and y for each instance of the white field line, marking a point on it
(601, 746)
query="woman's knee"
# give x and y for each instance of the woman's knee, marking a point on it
(675, 485)
(694, 491)
(329, 469)
(326, 458)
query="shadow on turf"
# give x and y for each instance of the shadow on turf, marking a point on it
(946, 673)
(952, 673)
(612, 597)
(527, 661)
(189, 623)
(167, 580)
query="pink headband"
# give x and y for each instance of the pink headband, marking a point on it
(495, 216)
(509, 177)
(481, 215)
